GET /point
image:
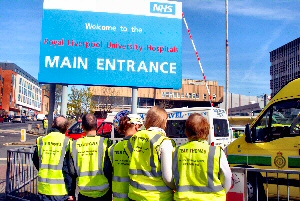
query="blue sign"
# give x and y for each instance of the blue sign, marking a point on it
(130, 43)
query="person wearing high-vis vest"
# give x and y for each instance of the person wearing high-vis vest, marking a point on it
(201, 171)
(126, 124)
(48, 158)
(150, 152)
(91, 163)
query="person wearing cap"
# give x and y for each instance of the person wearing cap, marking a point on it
(150, 152)
(127, 124)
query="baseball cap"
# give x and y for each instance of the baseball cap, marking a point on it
(133, 118)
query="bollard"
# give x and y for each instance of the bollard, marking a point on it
(23, 135)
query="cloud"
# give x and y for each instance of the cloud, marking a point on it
(269, 10)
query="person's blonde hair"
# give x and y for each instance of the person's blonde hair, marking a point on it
(197, 127)
(156, 117)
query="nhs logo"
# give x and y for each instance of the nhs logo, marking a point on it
(162, 8)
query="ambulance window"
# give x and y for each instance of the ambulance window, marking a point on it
(280, 120)
(221, 128)
(176, 128)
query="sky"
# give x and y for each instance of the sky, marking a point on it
(256, 27)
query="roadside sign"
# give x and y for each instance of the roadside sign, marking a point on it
(130, 43)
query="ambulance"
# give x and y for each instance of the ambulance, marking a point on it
(272, 141)
(217, 118)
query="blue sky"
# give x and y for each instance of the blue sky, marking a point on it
(255, 29)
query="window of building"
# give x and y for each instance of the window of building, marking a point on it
(182, 95)
(204, 96)
(197, 96)
(214, 96)
(171, 94)
(194, 95)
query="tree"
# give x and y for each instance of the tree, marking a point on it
(80, 102)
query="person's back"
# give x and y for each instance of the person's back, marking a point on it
(127, 124)
(148, 170)
(90, 155)
(201, 171)
(48, 159)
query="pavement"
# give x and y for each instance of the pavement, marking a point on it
(2, 181)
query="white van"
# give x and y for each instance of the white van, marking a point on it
(217, 118)
(40, 117)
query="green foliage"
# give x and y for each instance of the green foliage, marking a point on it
(80, 102)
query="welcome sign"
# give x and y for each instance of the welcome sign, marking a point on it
(134, 43)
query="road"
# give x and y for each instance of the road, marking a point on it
(11, 132)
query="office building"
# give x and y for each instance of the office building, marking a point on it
(22, 94)
(285, 65)
(192, 94)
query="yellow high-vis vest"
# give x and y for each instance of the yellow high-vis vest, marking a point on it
(88, 155)
(196, 170)
(45, 123)
(146, 182)
(120, 163)
(51, 151)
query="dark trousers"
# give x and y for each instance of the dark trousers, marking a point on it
(43, 197)
(106, 197)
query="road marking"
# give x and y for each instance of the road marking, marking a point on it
(2, 136)
(3, 159)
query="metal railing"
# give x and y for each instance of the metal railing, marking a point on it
(21, 175)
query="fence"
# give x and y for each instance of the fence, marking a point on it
(21, 175)
(248, 183)
(264, 184)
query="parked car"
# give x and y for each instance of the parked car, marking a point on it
(1, 119)
(75, 131)
(29, 118)
(19, 119)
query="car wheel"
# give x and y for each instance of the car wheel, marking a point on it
(254, 186)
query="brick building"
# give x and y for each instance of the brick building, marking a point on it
(22, 93)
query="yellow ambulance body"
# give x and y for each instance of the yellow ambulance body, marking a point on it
(272, 142)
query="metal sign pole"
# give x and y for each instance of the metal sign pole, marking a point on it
(134, 100)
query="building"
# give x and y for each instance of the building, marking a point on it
(22, 93)
(243, 105)
(285, 65)
(192, 94)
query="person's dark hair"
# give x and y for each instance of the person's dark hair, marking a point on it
(124, 125)
(197, 127)
(61, 124)
(89, 122)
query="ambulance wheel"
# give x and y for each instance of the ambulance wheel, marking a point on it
(252, 189)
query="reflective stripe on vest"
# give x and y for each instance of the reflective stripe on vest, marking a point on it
(148, 187)
(94, 188)
(120, 195)
(121, 179)
(210, 175)
(153, 173)
(51, 181)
